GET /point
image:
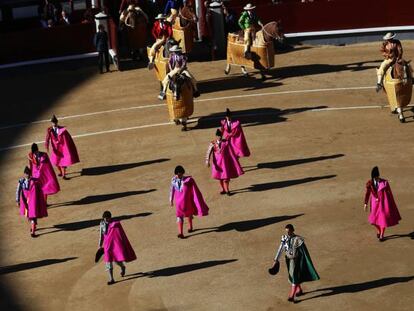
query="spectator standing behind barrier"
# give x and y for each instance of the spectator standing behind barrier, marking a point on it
(101, 44)
(47, 13)
(64, 18)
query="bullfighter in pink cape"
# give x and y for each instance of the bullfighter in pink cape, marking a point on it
(42, 169)
(115, 245)
(225, 164)
(384, 212)
(188, 200)
(30, 199)
(233, 132)
(63, 153)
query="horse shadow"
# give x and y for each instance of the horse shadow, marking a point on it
(91, 199)
(280, 184)
(246, 225)
(358, 287)
(84, 224)
(314, 69)
(32, 265)
(234, 82)
(251, 117)
(280, 164)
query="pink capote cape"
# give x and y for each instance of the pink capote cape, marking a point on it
(64, 152)
(44, 172)
(189, 201)
(225, 164)
(236, 138)
(384, 212)
(116, 244)
(32, 201)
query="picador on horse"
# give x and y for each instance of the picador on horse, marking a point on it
(177, 75)
(395, 76)
(393, 53)
(161, 32)
(250, 23)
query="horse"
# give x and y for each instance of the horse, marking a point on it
(262, 52)
(180, 99)
(133, 23)
(398, 86)
(184, 28)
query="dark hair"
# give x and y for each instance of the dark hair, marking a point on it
(54, 119)
(290, 227)
(228, 112)
(35, 148)
(375, 172)
(27, 171)
(219, 133)
(107, 214)
(179, 170)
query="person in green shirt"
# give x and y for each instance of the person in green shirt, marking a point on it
(248, 21)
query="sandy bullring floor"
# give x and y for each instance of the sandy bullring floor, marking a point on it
(316, 127)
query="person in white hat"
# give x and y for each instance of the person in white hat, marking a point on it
(161, 31)
(248, 21)
(393, 52)
(177, 65)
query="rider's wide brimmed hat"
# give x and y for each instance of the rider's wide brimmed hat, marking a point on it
(249, 6)
(175, 48)
(390, 35)
(160, 16)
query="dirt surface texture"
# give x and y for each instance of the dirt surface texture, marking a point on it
(315, 129)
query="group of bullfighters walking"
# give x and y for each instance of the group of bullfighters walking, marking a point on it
(223, 156)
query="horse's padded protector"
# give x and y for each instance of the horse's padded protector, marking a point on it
(184, 107)
(263, 56)
(185, 34)
(398, 91)
(160, 63)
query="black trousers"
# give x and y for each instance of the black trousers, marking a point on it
(101, 56)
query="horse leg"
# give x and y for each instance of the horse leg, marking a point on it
(400, 115)
(262, 74)
(244, 71)
(227, 70)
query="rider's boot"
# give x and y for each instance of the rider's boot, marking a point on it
(162, 95)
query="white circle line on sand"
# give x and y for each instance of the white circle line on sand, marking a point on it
(194, 120)
(198, 100)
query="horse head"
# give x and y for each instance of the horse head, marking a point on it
(176, 84)
(273, 31)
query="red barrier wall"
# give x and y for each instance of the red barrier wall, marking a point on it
(42, 43)
(323, 15)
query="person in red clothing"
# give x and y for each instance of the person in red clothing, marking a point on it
(161, 31)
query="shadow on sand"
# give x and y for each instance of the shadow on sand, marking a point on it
(251, 117)
(358, 287)
(102, 170)
(281, 184)
(280, 164)
(246, 225)
(91, 199)
(171, 271)
(32, 265)
(84, 224)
